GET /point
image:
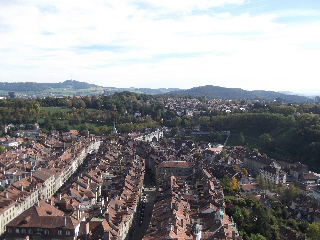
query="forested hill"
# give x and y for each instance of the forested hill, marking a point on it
(38, 87)
(70, 83)
(234, 93)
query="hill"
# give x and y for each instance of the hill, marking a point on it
(235, 93)
(73, 87)
(39, 87)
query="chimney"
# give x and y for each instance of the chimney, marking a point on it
(59, 197)
(78, 187)
(6, 195)
(64, 221)
(116, 207)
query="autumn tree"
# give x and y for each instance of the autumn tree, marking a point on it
(236, 168)
(244, 171)
(234, 185)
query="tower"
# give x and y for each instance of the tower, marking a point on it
(114, 130)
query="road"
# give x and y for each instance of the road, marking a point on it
(150, 192)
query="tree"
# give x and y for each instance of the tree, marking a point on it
(2, 149)
(265, 222)
(175, 122)
(236, 168)
(241, 138)
(218, 137)
(234, 185)
(288, 194)
(85, 133)
(255, 150)
(262, 183)
(237, 215)
(37, 108)
(266, 139)
(225, 181)
(244, 171)
(313, 231)
(257, 236)
(223, 153)
(174, 130)
(164, 142)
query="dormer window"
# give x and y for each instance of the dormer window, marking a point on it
(68, 233)
(59, 232)
(9, 230)
(17, 230)
(46, 232)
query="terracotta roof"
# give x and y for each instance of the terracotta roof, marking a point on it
(248, 187)
(43, 174)
(179, 164)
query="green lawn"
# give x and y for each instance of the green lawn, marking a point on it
(229, 197)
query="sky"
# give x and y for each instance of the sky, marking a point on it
(253, 45)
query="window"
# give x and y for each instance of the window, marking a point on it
(59, 232)
(68, 233)
(9, 230)
(23, 230)
(46, 231)
(30, 231)
(17, 230)
(39, 229)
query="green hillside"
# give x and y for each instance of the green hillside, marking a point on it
(215, 92)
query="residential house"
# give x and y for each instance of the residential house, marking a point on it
(273, 175)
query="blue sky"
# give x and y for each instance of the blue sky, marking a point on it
(254, 45)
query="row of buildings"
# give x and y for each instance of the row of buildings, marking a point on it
(98, 200)
(36, 172)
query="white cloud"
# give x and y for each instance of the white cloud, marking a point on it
(187, 5)
(129, 45)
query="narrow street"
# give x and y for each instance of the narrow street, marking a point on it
(144, 213)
